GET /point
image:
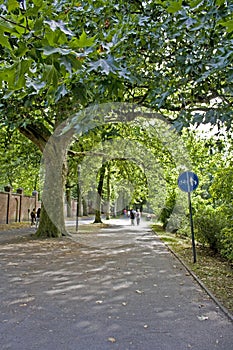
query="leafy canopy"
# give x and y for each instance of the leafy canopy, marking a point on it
(164, 54)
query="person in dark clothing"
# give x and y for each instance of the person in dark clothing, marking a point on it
(33, 217)
(132, 216)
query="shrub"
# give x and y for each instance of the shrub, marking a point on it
(178, 223)
(167, 210)
(226, 241)
(208, 224)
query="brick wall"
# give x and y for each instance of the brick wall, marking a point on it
(16, 207)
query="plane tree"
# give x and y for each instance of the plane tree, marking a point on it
(60, 57)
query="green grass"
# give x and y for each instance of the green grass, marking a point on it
(14, 225)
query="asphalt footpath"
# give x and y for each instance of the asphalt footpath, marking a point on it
(116, 288)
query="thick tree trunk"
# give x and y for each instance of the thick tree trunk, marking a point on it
(52, 222)
(46, 227)
(52, 219)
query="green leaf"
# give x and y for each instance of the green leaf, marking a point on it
(38, 24)
(83, 41)
(38, 3)
(13, 5)
(22, 50)
(9, 77)
(220, 2)
(50, 75)
(106, 66)
(70, 62)
(102, 65)
(195, 3)
(5, 26)
(228, 25)
(22, 68)
(4, 40)
(174, 6)
(61, 91)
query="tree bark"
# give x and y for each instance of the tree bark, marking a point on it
(85, 208)
(108, 209)
(99, 195)
(52, 222)
(54, 161)
(47, 229)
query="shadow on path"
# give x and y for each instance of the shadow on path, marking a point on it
(118, 288)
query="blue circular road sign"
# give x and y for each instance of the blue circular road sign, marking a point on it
(188, 181)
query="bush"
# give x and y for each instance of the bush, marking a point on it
(208, 224)
(178, 223)
(164, 215)
(226, 241)
(168, 209)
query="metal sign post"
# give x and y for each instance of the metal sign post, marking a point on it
(78, 195)
(188, 182)
(192, 228)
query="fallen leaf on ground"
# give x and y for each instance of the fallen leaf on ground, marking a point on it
(202, 318)
(112, 339)
(139, 291)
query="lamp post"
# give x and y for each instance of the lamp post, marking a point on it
(20, 192)
(8, 190)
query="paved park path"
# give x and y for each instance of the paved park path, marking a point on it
(115, 289)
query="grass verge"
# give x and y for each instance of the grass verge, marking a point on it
(214, 272)
(14, 225)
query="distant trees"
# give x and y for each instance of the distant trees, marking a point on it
(19, 161)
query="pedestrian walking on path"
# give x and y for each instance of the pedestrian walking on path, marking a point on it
(138, 216)
(33, 216)
(132, 216)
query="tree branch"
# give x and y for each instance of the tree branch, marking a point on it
(19, 25)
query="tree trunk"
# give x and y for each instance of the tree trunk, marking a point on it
(52, 219)
(115, 209)
(85, 209)
(108, 209)
(46, 227)
(99, 195)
